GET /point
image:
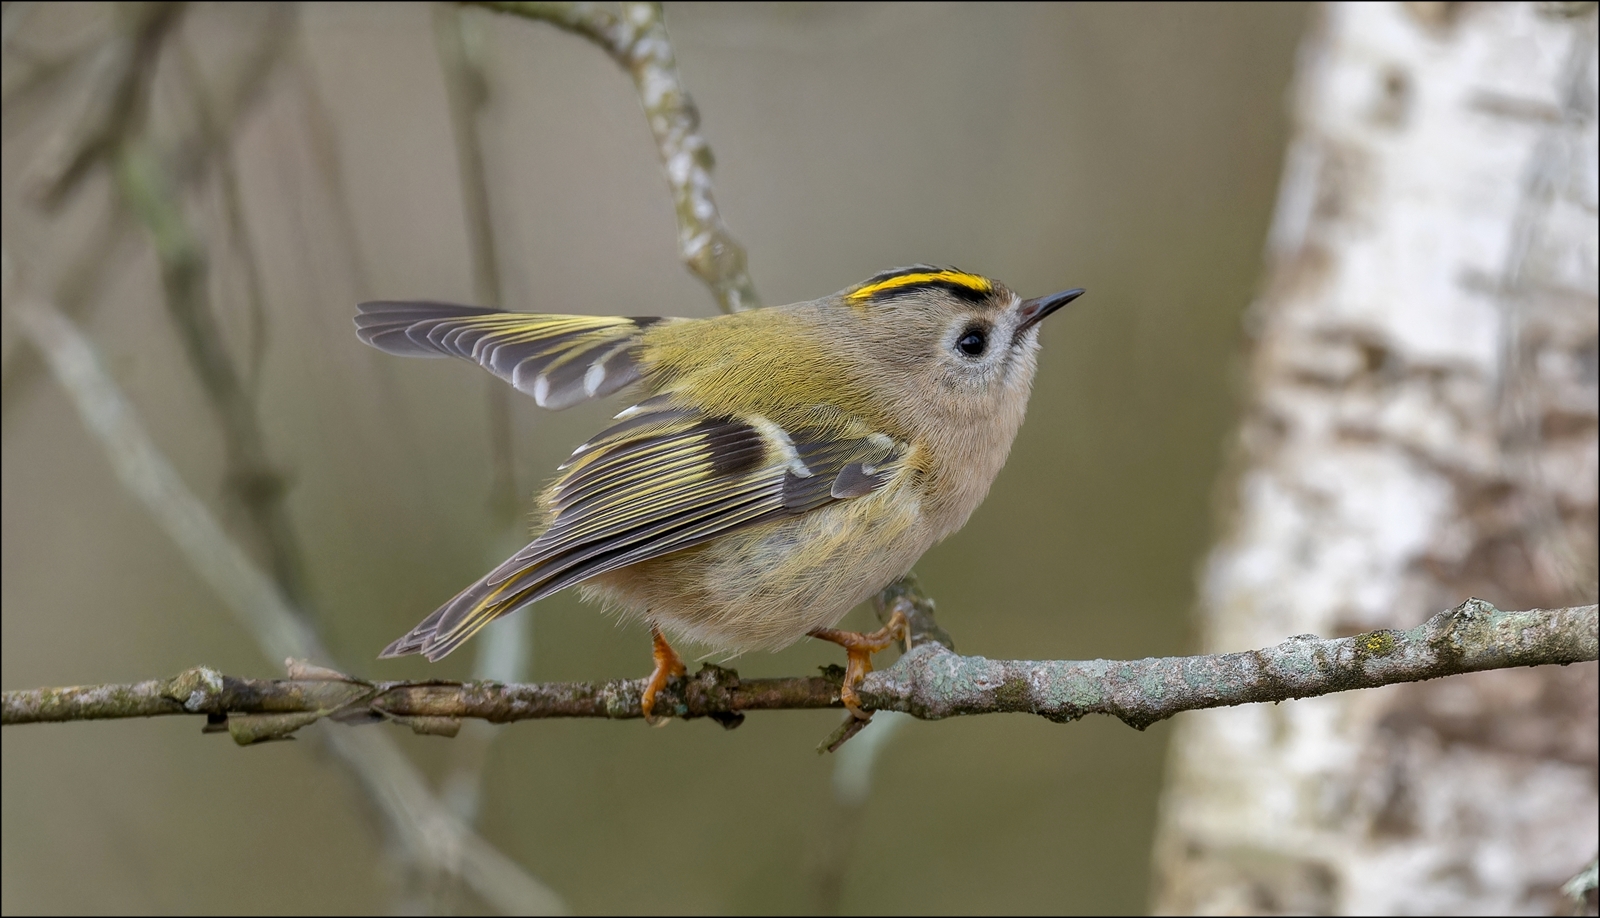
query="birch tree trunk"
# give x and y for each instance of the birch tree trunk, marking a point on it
(1421, 427)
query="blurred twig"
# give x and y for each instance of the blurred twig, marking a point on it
(836, 847)
(252, 479)
(233, 94)
(467, 89)
(212, 132)
(116, 99)
(431, 835)
(152, 194)
(113, 106)
(250, 595)
(1567, 568)
(322, 136)
(638, 41)
(502, 657)
(930, 682)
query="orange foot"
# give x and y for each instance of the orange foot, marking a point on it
(860, 648)
(668, 666)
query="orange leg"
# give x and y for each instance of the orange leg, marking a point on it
(668, 666)
(859, 649)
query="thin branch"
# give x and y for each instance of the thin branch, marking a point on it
(234, 93)
(253, 480)
(114, 104)
(459, 41)
(321, 129)
(931, 682)
(255, 600)
(638, 41)
(211, 116)
(467, 91)
(429, 832)
(1475, 636)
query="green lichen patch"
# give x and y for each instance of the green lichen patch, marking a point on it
(195, 688)
(1376, 643)
(1014, 694)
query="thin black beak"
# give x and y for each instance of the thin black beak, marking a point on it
(1033, 311)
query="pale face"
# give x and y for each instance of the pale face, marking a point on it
(944, 348)
(980, 351)
(951, 361)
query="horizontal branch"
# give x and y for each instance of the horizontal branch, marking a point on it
(929, 682)
(1472, 637)
(426, 829)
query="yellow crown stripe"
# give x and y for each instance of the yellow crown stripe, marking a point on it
(972, 282)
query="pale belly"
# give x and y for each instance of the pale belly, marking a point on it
(763, 588)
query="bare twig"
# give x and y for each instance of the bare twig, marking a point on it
(430, 833)
(253, 598)
(115, 101)
(638, 41)
(322, 143)
(467, 89)
(211, 110)
(233, 94)
(253, 480)
(466, 80)
(931, 682)
(836, 848)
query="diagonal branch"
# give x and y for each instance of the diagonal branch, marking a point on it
(254, 481)
(123, 68)
(931, 682)
(638, 41)
(233, 95)
(427, 828)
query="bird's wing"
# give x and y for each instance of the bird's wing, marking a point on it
(665, 478)
(559, 360)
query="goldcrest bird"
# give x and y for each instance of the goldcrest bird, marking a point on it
(786, 463)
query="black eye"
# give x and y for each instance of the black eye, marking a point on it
(973, 341)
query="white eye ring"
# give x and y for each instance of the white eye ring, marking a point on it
(973, 341)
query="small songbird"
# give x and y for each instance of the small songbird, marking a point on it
(784, 465)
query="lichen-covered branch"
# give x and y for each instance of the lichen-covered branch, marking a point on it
(932, 683)
(929, 682)
(638, 41)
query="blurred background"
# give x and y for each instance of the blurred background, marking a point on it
(1130, 149)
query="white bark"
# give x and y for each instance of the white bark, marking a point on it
(1421, 427)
